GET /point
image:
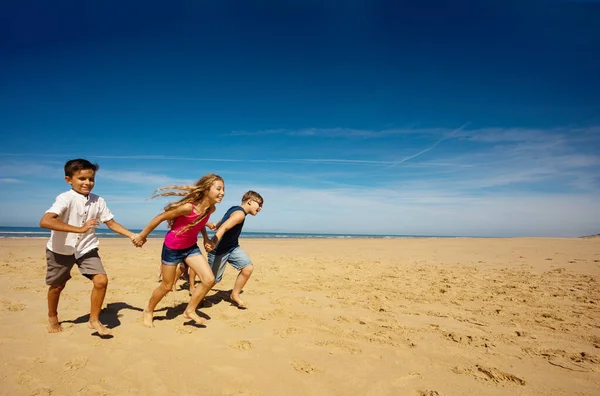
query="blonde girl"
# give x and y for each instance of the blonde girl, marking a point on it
(186, 219)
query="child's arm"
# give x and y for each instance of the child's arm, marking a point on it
(236, 218)
(208, 244)
(168, 215)
(50, 221)
(119, 229)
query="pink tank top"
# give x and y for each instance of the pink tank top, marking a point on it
(189, 238)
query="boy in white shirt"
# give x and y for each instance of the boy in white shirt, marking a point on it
(73, 219)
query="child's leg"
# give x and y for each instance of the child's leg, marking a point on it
(240, 261)
(100, 282)
(178, 273)
(168, 278)
(90, 265)
(185, 271)
(207, 280)
(239, 284)
(58, 272)
(53, 297)
(192, 280)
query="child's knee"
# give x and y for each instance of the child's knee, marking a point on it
(56, 288)
(247, 270)
(209, 280)
(166, 286)
(100, 281)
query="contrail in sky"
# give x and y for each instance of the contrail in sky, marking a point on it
(454, 132)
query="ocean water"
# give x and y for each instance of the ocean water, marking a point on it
(104, 232)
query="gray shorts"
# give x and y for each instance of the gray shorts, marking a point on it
(236, 257)
(58, 270)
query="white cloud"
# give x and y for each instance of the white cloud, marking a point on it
(387, 211)
(144, 178)
(343, 132)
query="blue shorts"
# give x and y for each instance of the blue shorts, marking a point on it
(175, 256)
(236, 257)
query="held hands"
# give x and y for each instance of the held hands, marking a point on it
(211, 226)
(209, 244)
(137, 241)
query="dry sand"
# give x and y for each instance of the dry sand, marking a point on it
(325, 317)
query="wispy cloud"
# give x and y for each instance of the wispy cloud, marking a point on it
(9, 180)
(341, 132)
(483, 135)
(431, 212)
(14, 168)
(144, 178)
(515, 135)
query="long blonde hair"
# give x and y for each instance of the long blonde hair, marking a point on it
(190, 194)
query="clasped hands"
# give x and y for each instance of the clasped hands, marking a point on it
(137, 241)
(210, 244)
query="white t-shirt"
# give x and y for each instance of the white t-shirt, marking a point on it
(75, 209)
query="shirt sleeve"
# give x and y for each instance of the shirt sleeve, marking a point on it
(104, 213)
(60, 205)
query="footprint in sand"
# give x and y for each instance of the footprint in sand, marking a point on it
(303, 366)
(6, 305)
(489, 374)
(76, 363)
(42, 392)
(497, 376)
(401, 380)
(339, 345)
(242, 345)
(289, 332)
(240, 392)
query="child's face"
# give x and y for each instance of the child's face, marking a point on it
(82, 181)
(255, 207)
(216, 192)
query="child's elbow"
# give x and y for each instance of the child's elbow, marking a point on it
(43, 222)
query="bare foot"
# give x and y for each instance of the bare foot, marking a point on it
(148, 318)
(194, 316)
(238, 301)
(54, 325)
(99, 327)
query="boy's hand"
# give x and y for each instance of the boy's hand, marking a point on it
(137, 241)
(209, 245)
(211, 226)
(91, 223)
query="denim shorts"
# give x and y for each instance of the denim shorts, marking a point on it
(175, 256)
(236, 257)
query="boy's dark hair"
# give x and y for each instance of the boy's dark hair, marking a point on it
(79, 164)
(252, 195)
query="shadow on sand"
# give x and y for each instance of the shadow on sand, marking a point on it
(109, 316)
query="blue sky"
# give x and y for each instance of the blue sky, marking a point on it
(405, 117)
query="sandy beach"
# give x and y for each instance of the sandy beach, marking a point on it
(325, 317)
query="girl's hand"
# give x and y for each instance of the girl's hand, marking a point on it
(208, 245)
(211, 226)
(137, 241)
